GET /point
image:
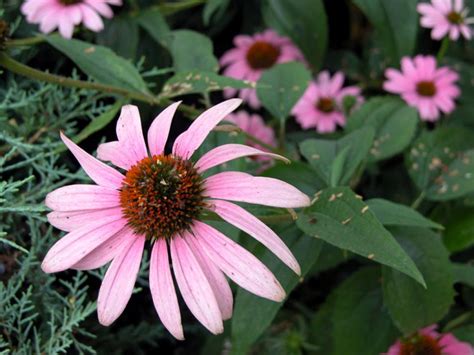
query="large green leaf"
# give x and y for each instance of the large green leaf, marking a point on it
(459, 233)
(395, 25)
(337, 160)
(192, 51)
(360, 321)
(394, 123)
(100, 63)
(252, 315)
(199, 82)
(304, 21)
(463, 273)
(280, 87)
(120, 35)
(155, 24)
(411, 306)
(440, 163)
(340, 218)
(395, 214)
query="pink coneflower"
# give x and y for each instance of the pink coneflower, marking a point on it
(424, 86)
(321, 106)
(252, 55)
(254, 125)
(65, 14)
(161, 198)
(446, 17)
(429, 341)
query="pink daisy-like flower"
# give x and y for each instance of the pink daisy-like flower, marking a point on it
(254, 125)
(161, 198)
(65, 14)
(446, 17)
(424, 86)
(252, 55)
(429, 341)
(321, 106)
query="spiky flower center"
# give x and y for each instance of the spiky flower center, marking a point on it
(161, 196)
(325, 104)
(426, 88)
(420, 345)
(70, 2)
(455, 18)
(262, 55)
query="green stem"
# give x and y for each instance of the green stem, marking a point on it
(29, 41)
(442, 49)
(418, 200)
(281, 135)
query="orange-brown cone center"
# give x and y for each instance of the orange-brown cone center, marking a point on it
(262, 55)
(161, 196)
(455, 18)
(420, 345)
(426, 88)
(325, 104)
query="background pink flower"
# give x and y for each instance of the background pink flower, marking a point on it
(429, 341)
(65, 14)
(321, 106)
(446, 17)
(254, 125)
(424, 86)
(252, 55)
(161, 198)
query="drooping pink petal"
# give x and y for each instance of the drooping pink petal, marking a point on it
(70, 220)
(216, 278)
(82, 197)
(163, 291)
(194, 286)
(117, 286)
(91, 19)
(116, 154)
(246, 222)
(187, 143)
(227, 152)
(160, 128)
(237, 263)
(77, 244)
(102, 174)
(238, 186)
(105, 252)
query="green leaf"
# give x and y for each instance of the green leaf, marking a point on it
(155, 24)
(459, 233)
(360, 321)
(343, 220)
(100, 63)
(440, 165)
(192, 51)
(395, 25)
(411, 306)
(199, 82)
(252, 314)
(395, 214)
(463, 273)
(304, 21)
(280, 88)
(298, 174)
(325, 155)
(465, 333)
(394, 122)
(120, 35)
(214, 7)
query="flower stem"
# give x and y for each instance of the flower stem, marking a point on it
(29, 41)
(418, 200)
(442, 49)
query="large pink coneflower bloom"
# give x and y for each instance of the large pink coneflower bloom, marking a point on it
(446, 17)
(161, 199)
(424, 86)
(252, 55)
(65, 14)
(429, 341)
(321, 106)
(254, 125)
